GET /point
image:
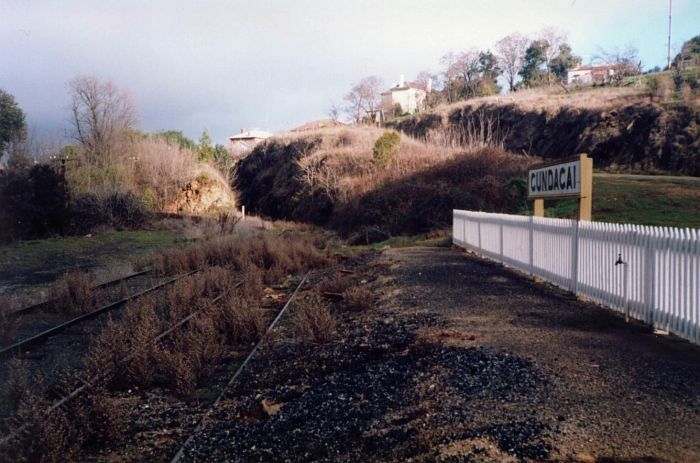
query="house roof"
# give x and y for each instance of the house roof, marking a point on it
(248, 134)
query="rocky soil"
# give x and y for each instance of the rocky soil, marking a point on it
(460, 360)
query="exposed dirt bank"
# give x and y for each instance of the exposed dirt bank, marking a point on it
(639, 137)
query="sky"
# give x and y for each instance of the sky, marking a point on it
(227, 65)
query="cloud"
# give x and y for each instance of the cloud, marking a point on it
(224, 65)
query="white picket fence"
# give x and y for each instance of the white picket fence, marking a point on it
(658, 283)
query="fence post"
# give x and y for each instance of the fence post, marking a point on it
(478, 224)
(649, 275)
(574, 259)
(500, 232)
(464, 232)
(532, 246)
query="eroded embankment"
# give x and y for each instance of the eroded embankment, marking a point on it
(641, 137)
(329, 178)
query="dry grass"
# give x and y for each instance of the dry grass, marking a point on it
(357, 299)
(46, 438)
(341, 164)
(275, 255)
(73, 294)
(335, 285)
(190, 355)
(312, 320)
(554, 98)
(154, 169)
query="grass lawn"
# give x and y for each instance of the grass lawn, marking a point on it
(42, 261)
(642, 200)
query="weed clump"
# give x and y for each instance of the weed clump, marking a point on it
(313, 321)
(357, 299)
(73, 294)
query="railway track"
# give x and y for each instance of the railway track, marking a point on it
(203, 420)
(85, 384)
(40, 305)
(26, 343)
(88, 383)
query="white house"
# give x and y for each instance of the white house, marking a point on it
(409, 96)
(589, 75)
(246, 140)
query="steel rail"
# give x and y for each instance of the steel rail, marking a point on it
(38, 305)
(92, 381)
(81, 318)
(203, 420)
(87, 384)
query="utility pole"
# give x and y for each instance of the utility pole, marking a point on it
(670, 7)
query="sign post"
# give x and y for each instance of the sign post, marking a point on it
(567, 178)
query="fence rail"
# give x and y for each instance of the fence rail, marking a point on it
(656, 279)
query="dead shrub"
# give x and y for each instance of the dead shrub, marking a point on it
(73, 294)
(142, 326)
(8, 322)
(191, 354)
(240, 320)
(180, 298)
(216, 280)
(171, 262)
(41, 437)
(313, 320)
(357, 299)
(107, 353)
(336, 285)
(96, 417)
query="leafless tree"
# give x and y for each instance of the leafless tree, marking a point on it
(364, 98)
(555, 38)
(467, 67)
(334, 111)
(511, 55)
(624, 62)
(99, 112)
(424, 80)
(449, 72)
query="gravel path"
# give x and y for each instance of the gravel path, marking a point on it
(461, 360)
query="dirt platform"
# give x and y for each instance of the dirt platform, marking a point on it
(462, 360)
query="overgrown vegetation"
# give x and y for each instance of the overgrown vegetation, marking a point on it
(312, 318)
(218, 312)
(330, 178)
(111, 176)
(73, 293)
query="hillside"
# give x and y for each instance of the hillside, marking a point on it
(328, 177)
(623, 129)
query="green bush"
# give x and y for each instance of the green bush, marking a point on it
(385, 148)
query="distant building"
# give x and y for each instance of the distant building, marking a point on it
(589, 75)
(410, 97)
(246, 140)
(319, 124)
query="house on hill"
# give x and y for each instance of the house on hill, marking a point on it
(589, 75)
(410, 97)
(246, 140)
